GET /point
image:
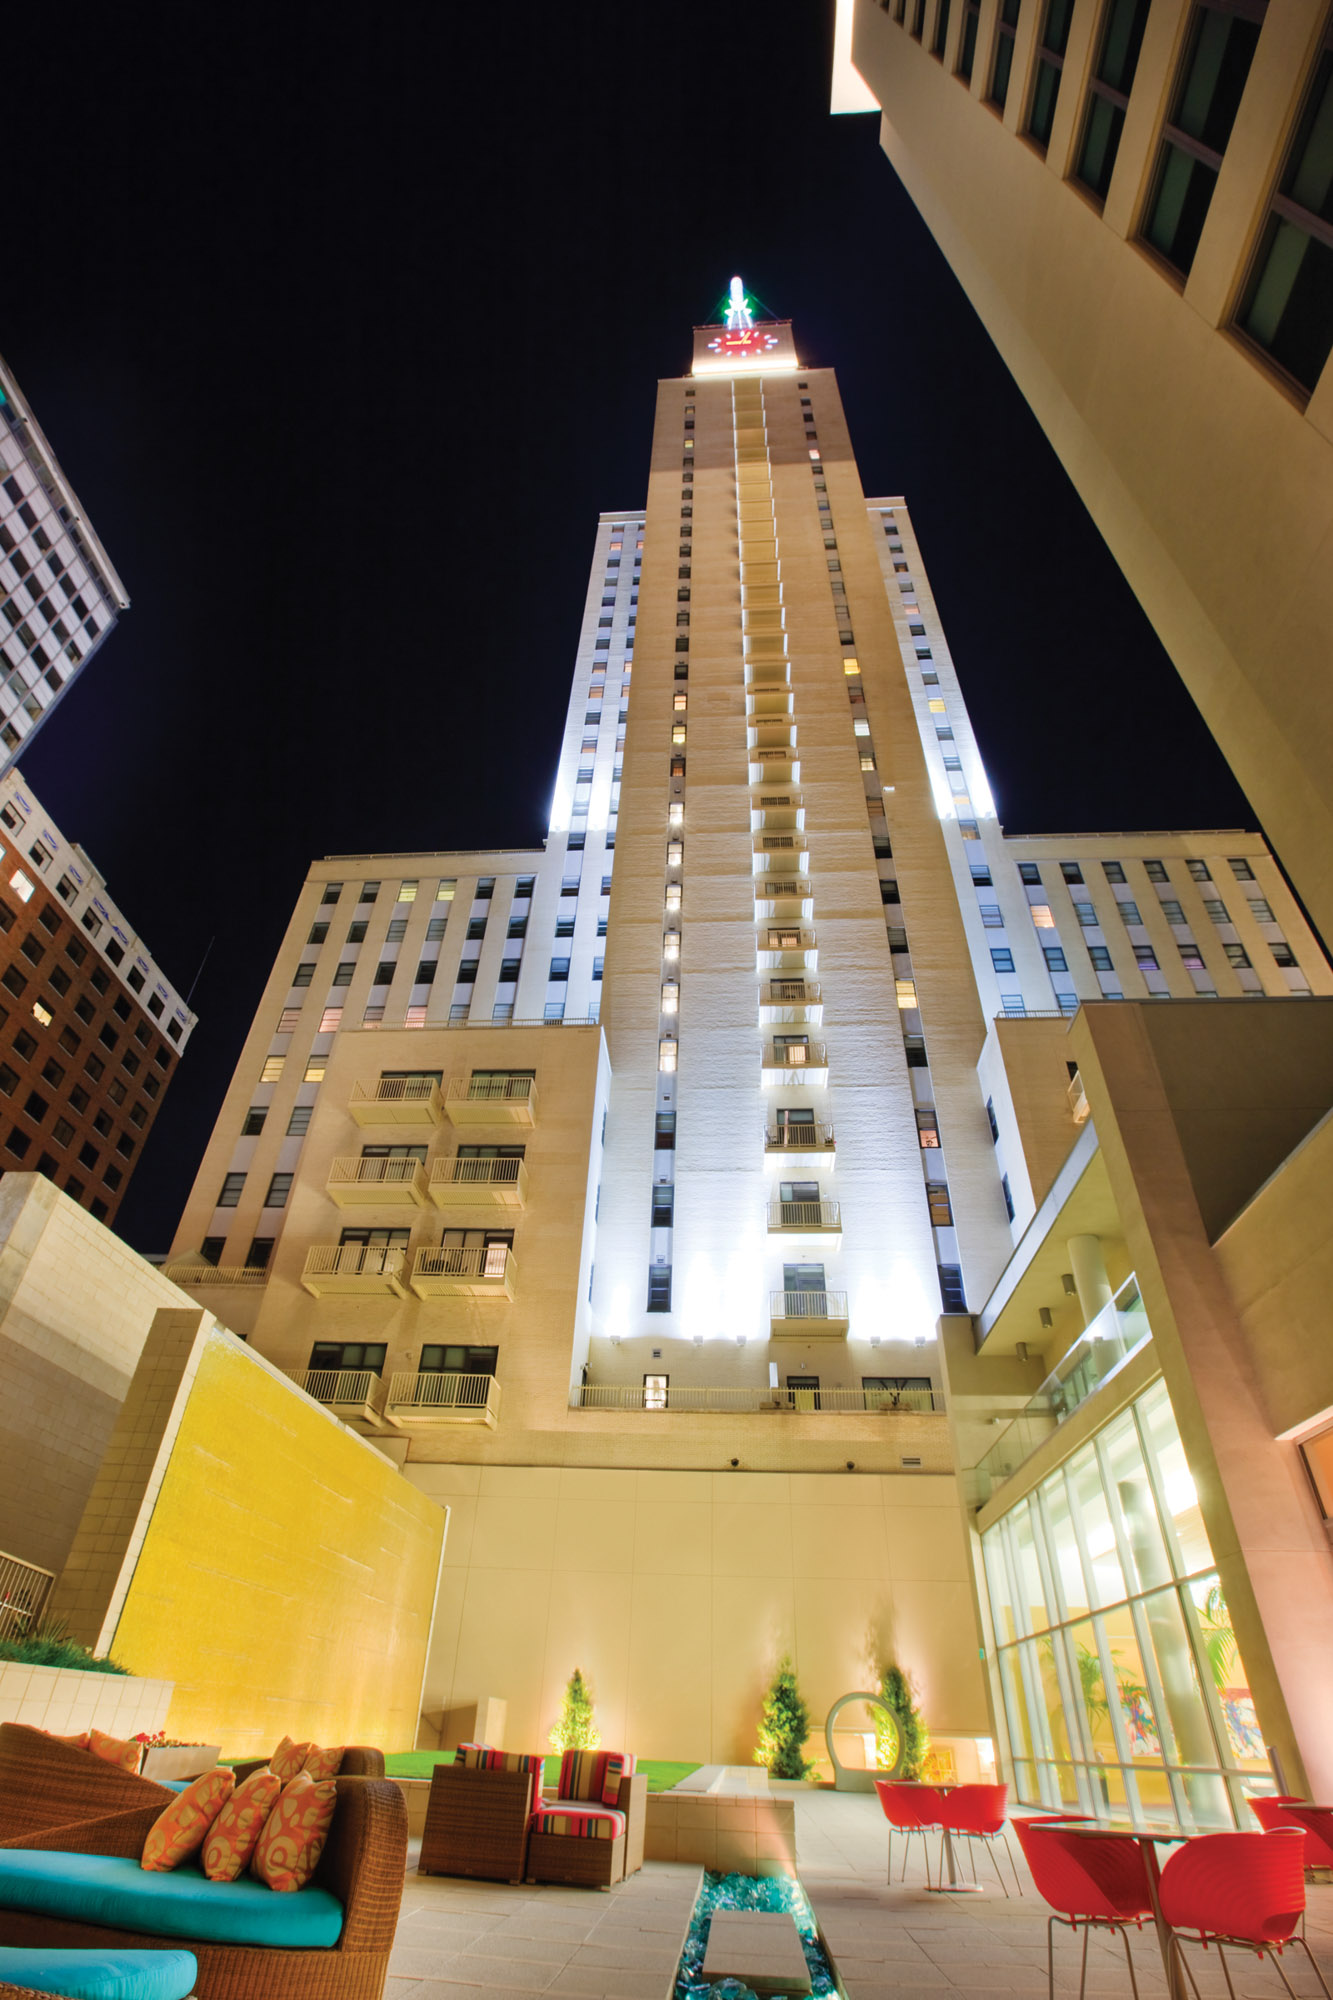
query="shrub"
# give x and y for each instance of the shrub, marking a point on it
(51, 1646)
(895, 1691)
(575, 1729)
(784, 1725)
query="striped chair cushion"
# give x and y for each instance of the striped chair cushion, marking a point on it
(593, 1774)
(481, 1757)
(582, 1822)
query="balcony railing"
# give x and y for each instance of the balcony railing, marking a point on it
(357, 1182)
(450, 1272)
(809, 1315)
(794, 1060)
(434, 1398)
(479, 1183)
(875, 1402)
(801, 954)
(492, 1100)
(692, 1398)
(354, 1269)
(396, 1100)
(769, 761)
(799, 1139)
(1119, 1330)
(350, 1392)
(192, 1272)
(24, 1589)
(807, 1218)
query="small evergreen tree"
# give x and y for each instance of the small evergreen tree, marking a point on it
(784, 1725)
(895, 1691)
(576, 1729)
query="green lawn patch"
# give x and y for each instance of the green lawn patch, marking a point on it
(421, 1763)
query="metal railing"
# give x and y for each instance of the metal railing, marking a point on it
(478, 1173)
(592, 1396)
(492, 1089)
(772, 756)
(770, 891)
(808, 1305)
(794, 1055)
(799, 1139)
(354, 1260)
(24, 1589)
(791, 989)
(804, 1215)
(355, 1167)
(692, 1397)
(765, 843)
(191, 1271)
(493, 1260)
(434, 1390)
(877, 1402)
(339, 1388)
(397, 1090)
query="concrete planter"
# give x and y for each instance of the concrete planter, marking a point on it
(66, 1700)
(189, 1760)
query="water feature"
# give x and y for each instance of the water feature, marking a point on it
(781, 1893)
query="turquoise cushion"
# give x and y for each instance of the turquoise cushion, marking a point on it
(108, 1889)
(102, 1975)
(174, 1784)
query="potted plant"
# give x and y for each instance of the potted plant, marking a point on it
(164, 1757)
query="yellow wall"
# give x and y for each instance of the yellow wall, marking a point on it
(677, 1591)
(285, 1574)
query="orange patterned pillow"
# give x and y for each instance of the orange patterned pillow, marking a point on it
(111, 1749)
(294, 1833)
(323, 1763)
(288, 1758)
(181, 1830)
(235, 1832)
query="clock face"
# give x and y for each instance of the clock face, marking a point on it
(741, 343)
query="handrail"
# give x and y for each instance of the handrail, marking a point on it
(354, 1260)
(728, 1399)
(799, 1139)
(24, 1589)
(391, 1168)
(808, 1305)
(198, 1271)
(336, 1385)
(396, 1090)
(456, 1172)
(491, 1089)
(794, 1055)
(432, 1390)
(446, 1260)
(790, 989)
(804, 1215)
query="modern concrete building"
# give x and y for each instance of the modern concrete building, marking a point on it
(59, 595)
(666, 1299)
(90, 1029)
(1135, 200)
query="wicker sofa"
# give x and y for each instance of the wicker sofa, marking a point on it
(329, 1941)
(478, 1814)
(359, 1761)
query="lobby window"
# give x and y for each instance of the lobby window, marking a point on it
(917, 11)
(1288, 304)
(1218, 52)
(967, 55)
(1052, 40)
(1108, 93)
(1006, 30)
(940, 34)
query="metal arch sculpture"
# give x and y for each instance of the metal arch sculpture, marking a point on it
(845, 1779)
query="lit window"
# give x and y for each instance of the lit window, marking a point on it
(675, 853)
(288, 1020)
(681, 703)
(936, 707)
(21, 885)
(867, 760)
(41, 1013)
(675, 813)
(445, 892)
(407, 892)
(851, 666)
(272, 1069)
(671, 945)
(678, 732)
(666, 1053)
(314, 1069)
(670, 997)
(1042, 918)
(906, 992)
(860, 728)
(373, 1017)
(330, 1020)
(673, 896)
(416, 1017)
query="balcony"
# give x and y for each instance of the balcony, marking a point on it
(808, 1315)
(773, 763)
(776, 812)
(791, 1000)
(804, 1218)
(396, 1100)
(354, 1270)
(479, 1183)
(800, 1142)
(196, 1273)
(443, 1399)
(768, 698)
(787, 951)
(491, 1100)
(693, 1399)
(1119, 1330)
(795, 1062)
(449, 1273)
(349, 1392)
(788, 851)
(376, 1183)
(772, 732)
(788, 897)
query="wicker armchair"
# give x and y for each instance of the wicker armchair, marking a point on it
(577, 1837)
(362, 1865)
(360, 1760)
(45, 1783)
(478, 1813)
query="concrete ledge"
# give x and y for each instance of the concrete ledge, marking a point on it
(754, 1836)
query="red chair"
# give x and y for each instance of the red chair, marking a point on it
(1246, 1890)
(977, 1812)
(1091, 1883)
(1273, 1814)
(909, 1809)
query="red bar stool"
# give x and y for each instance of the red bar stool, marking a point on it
(1090, 1884)
(1246, 1890)
(977, 1812)
(909, 1809)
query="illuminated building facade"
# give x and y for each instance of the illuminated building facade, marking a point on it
(639, 1195)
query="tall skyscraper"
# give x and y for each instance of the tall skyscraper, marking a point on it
(732, 1316)
(59, 595)
(1132, 198)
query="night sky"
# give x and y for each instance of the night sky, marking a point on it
(346, 324)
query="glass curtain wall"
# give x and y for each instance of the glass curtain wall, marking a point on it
(1123, 1685)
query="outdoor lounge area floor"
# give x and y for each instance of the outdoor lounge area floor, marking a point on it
(896, 1943)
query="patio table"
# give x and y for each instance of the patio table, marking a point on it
(1145, 1837)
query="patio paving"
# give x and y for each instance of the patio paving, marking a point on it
(888, 1943)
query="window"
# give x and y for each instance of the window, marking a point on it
(1071, 871)
(254, 1121)
(1052, 41)
(1282, 952)
(356, 933)
(1172, 911)
(1108, 93)
(1218, 53)
(354, 1357)
(1199, 871)
(278, 1190)
(384, 972)
(559, 969)
(1055, 958)
(1029, 872)
(992, 916)
(288, 1020)
(1190, 955)
(329, 1023)
(369, 892)
(1002, 958)
(927, 1128)
(304, 973)
(1005, 32)
(952, 1295)
(18, 1143)
(940, 35)
(332, 891)
(1156, 871)
(1007, 1192)
(318, 933)
(1216, 909)
(663, 1202)
(659, 1288)
(272, 1069)
(1241, 870)
(1288, 304)
(1101, 958)
(1145, 958)
(937, 1201)
(231, 1190)
(664, 1140)
(1237, 955)
(342, 973)
(1129, 912)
